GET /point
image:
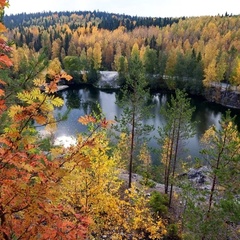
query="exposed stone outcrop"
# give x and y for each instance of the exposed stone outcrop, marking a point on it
(108, 80)
(228, 98)
(200, 177)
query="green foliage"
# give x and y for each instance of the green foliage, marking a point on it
(133, 100)
(172, 233)
(45, 144)
(102, 19)
(73, 66)
(31, 66)
(73, 100)
(147, 182)
(122, 70)
(159, 203)
(151, 61)
(213, 213)
(231, 206)
(178, 128)
(189, 72)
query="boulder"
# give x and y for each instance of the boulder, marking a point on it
(200, 175)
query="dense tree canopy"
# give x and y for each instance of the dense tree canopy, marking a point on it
(187, 52)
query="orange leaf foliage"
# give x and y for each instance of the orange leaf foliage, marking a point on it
(106, 123)
(2, 28)
(31, 203)
(3, 107)
(2, 3)
(40, 119)
(2, 82)
(5, 61)
(85, 120)
(2, 93)
(52, 87)
(66, 76)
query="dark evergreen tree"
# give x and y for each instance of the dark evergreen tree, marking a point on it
(178, 129)
(134, 103)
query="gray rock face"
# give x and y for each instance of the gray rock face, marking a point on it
(230, 98)
(108, 80)
(200, 175)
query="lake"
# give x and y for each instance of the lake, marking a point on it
(83, 100)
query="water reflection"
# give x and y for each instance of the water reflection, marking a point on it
(85, 100)
(73, 99)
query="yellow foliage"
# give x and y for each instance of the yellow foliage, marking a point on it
(29, 96)
(54, 68)
(122, 150)
(93, 186)
(209, 133)
(14, 109)
(57, 101)
(38, 82)
(12, 132)
(145, 156)
(166, 150)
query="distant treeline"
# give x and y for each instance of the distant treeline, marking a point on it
(103, 20)
(187, 52)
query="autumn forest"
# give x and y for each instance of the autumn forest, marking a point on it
(82, 192)
(203, 50)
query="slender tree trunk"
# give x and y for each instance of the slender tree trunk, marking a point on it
(169, 162)
(211, 195)
(215, 177)
(166, 176)
(174, 163)
(131, 150)
(213, 185)
(210, 202)
(167, 168)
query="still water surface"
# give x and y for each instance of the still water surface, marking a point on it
(82, 101)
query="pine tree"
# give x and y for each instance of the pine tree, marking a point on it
(134, 103)
(178, 128)
(222, 152)
(212, 212)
